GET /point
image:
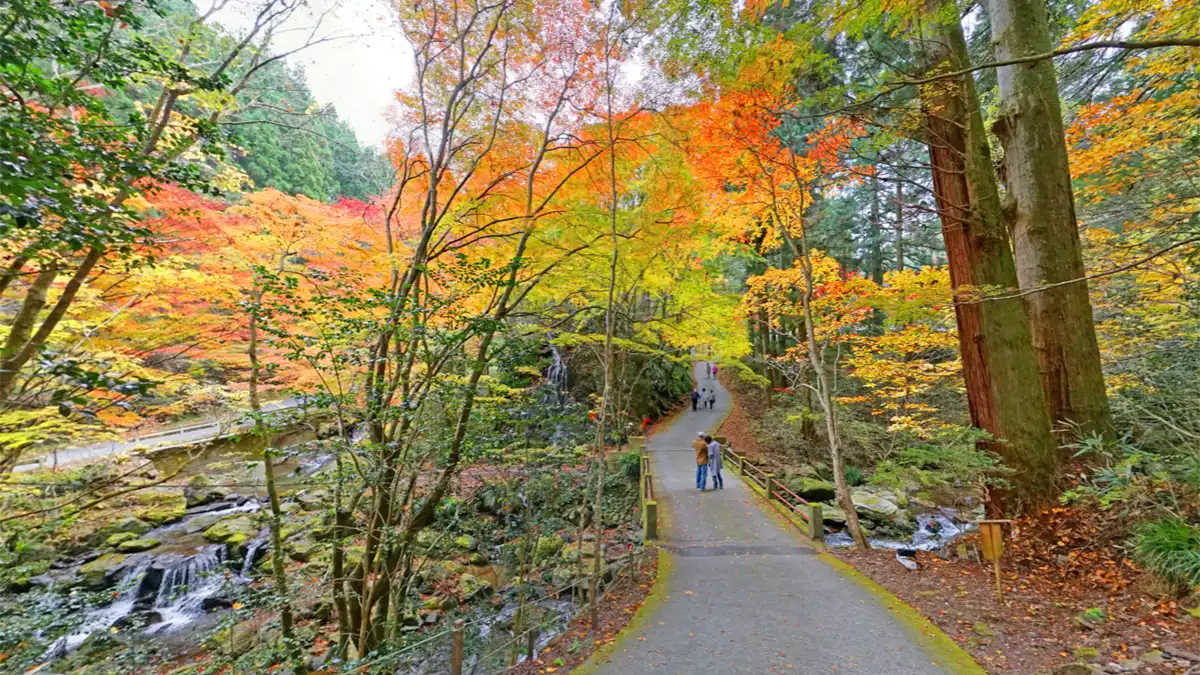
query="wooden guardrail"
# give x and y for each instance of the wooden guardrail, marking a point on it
(778, 494)
(646, 498)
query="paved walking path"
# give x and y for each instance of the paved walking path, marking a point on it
(193, 434)
(744, 596)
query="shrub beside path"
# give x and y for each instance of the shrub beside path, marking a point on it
(744, 594)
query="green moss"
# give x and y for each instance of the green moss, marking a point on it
(159, 508)
(100, 572)
(548, 547)
(1085, 653)
(137, 545)
(235, 530)
(119, 538)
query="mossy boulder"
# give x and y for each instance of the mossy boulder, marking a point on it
(873, 507)
(442, 570)
(129, 524)
(103, 571)
(22, 577)
(572, 552)
(812, 489)
(438, 602)
(137, 545)
(548, 546)
(302, 549)
(471, 587)
(313, 500)
(466, 542)
(833, 515)
(194, 497)
(161, 508)
(234, 531)
(119, 538)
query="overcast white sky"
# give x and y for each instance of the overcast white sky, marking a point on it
(357, 74)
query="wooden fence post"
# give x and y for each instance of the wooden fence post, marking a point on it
(768, 483)
(816, 523)
(742, 464)
(650, 531)
(456, 648)
(531, 653)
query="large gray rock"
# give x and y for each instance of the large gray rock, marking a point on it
(233, 531)
(873, 507)
(812, 489)
(103, 571)
(302, 549)
(129, 525)
(833, 515)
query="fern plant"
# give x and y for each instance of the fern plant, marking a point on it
(1169, 549)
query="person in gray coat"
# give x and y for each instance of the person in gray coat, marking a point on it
(714, 463)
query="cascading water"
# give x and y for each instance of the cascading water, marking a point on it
(934, 530)
(171, 590)
(185, 587)
(253, 549)
(103, 618)
(556, 376)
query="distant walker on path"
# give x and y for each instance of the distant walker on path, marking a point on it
(695, 398)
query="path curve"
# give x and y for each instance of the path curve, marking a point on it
(744, 595)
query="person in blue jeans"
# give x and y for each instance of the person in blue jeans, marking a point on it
(714, 463)
(701, 448)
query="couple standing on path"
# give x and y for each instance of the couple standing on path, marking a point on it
(708, 461)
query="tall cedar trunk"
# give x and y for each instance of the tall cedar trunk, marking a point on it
(1041, 212)
(899, 224)
(1003, 390)
(875, 250)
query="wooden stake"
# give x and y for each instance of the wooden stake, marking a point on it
(456, 648)
(999, 583)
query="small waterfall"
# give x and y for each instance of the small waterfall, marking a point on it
(104, 617)
(186, 586)
(253, 551)
(934, 530)
(556, 376)
(170, 591)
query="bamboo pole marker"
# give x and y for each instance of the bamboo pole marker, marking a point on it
(991, 540)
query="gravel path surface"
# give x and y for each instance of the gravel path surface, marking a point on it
(744, 596)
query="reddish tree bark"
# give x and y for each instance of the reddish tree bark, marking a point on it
(1003, 388)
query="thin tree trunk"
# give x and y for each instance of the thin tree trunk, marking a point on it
(12, 272)
(825, 393)
(605, 403)
(275, 524)
(35, 300)
(1003, 390)
(12, 364)
(1041, 211)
